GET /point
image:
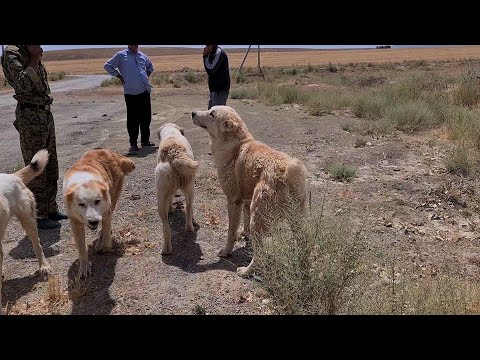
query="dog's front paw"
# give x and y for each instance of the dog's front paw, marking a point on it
(224, 252)
(45, 269)
(85, 269)
(244, 271)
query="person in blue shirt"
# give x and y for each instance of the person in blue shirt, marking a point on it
(134, 69)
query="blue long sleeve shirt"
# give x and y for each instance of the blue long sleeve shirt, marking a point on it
(134, 68)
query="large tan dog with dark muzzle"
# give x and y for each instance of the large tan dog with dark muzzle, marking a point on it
(91, 188)
(254, 176)
(176, 169)
(17, 200)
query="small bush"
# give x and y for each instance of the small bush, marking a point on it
(291, 71)
(244, 93)
(315, 268)
(191, 77)
(332, 68)
(410, 116)
(111, 82)
(458, 161)
(240, 77)
(56, 76)
(340, 172)
(467, 93)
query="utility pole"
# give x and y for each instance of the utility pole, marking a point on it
(260, 72)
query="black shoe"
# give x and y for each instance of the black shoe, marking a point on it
(148, 143)
(133, 150)
(47, 224)
(57, 216)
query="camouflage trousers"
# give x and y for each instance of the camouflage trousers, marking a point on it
(37, 131)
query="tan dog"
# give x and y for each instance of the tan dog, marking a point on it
(251, 174)
(175, 170)
(17, 200)
(91, 188)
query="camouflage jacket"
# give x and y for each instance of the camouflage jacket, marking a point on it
(30, 86)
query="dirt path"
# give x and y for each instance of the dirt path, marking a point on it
(73, 82)
(400, 188)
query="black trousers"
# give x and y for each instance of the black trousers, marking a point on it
(139, 116)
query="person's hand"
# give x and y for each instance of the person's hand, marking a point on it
(36, 53)
(121, 79)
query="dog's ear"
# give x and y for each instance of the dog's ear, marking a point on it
(69, 194)
(228, 125)
(182, 131)
(159, 130)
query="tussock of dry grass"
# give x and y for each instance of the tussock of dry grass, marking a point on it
(314, 269)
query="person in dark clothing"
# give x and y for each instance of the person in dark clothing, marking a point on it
(215, 61)
(25, 72)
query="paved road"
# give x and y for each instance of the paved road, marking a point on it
(74, 82)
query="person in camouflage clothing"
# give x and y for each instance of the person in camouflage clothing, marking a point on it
(24, 71)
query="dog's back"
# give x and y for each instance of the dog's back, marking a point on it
(175, 154)
(13, 185)
(107, 164)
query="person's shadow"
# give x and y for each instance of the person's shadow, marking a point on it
(143, 152)
(48, 238)
(91, 296)
(187, 254)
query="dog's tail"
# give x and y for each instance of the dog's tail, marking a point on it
(35, 168)
(296, 174)
(127, 165)
(176, 155)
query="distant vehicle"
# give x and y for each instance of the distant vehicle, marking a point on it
(383, 47)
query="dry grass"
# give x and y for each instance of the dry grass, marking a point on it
(340, 172)
(283, 58)
(55, 76)
(313, 270)
(56, 296)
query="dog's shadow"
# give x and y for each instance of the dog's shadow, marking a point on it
(144, 152)
(48, 238)
(13, 289)
(187, 253)
(91, 296)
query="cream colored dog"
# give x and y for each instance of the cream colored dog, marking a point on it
(251, 174)
(175, 170)
(17, 200)
(91, 188)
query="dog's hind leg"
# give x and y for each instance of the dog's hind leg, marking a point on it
(164, 202)
(234, 212)
(246, 218)
(189, 195)
(4, 216)
(263, 210)
(28, 221)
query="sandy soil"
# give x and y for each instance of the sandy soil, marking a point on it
(416, 212)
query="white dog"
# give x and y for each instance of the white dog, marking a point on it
(17, 200)
(176, 169)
